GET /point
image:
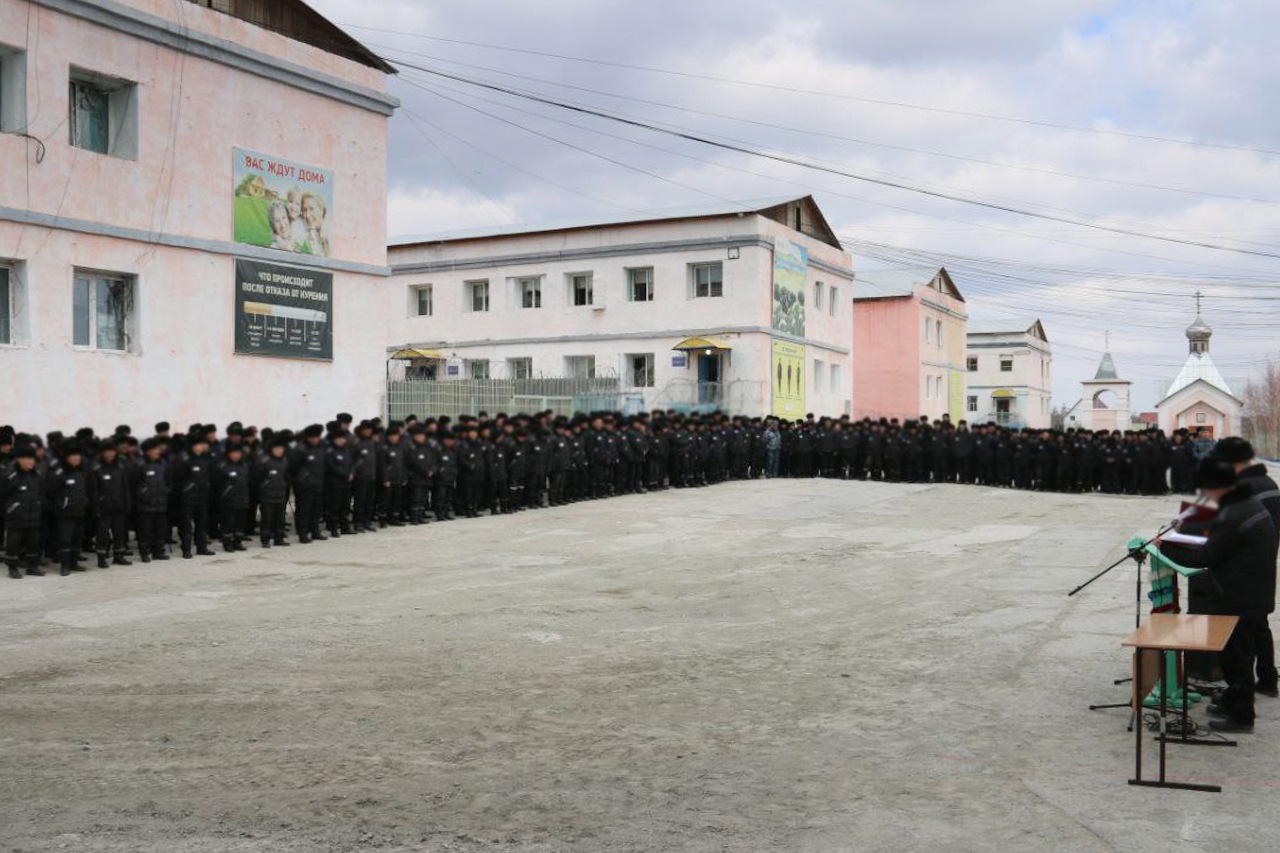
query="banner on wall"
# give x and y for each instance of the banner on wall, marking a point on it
(956, 398)
(283, 311)
(790, 271)
(788, 380)
(280, 204)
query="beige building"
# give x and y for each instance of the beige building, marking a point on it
(1105, 401)
(1009, 369)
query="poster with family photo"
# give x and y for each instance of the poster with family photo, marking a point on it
(279, 204)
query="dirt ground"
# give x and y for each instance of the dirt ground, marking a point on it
(783, 666)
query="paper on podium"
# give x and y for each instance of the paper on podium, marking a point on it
(1184, 539)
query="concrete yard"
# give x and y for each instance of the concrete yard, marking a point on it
(760, 666)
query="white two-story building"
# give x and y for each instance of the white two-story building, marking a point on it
(743, 307)
(1009, 374)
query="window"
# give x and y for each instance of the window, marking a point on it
(937, 328)
(580, 290)
(520, 368)
(103, 114)
(640, 284)
(817, 296)
(13, 90)
(928, 387)
(6, 308)
(477, 369)
(640, 370)
(972, 403)
(530, 291)
(102, 311)
(817, 374)
(478, 295)
(708, 280)
(928, 328)
(580, 366)
(421, 300)
(972, 363)
(835, 378)
(833, 298)
(1006, 365)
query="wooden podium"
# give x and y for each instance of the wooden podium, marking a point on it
(1163, 634)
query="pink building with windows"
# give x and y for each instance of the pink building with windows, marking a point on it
(192, 214)
(909, 332)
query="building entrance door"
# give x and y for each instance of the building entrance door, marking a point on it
(709, 377)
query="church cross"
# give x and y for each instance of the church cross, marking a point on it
(1199, 296)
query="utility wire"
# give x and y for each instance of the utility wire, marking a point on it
(795, 161)
(817, 93)
(827, 135)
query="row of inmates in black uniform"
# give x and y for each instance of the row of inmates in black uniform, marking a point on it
(94, 492)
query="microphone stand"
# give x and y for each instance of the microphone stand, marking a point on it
(1139, 557)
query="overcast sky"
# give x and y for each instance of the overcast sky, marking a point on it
(1202, 72)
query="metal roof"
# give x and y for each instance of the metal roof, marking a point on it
(1199, 366)
(1002, 327)
(700, 211)
(888, 284)
(1106, 368)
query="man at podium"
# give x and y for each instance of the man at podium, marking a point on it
(1240, 554)
(1253, 475)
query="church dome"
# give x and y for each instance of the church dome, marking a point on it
(1199, 330)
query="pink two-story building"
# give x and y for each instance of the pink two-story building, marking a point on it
(909, 329)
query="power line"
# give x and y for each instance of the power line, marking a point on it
(827, 135)
(1021, 233)
(817, 93)
(795, 161)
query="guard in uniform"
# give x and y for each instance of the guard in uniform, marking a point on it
(1240, 555)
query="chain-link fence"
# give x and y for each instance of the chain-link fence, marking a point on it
(687, 395)
(454, 397)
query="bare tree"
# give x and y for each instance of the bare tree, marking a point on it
(1058, 417)
(1262, 410)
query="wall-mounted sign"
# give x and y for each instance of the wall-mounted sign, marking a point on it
(280, 204)
(679, 360)
(790, 271)
(453, 370)
(283, 311)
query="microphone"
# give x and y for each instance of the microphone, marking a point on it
(1188, 512)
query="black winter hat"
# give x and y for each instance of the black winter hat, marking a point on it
(1234, 449)
(1215, 473)
(313, 431)
(25, 451)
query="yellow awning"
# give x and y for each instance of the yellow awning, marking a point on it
(417, 353)
(1002, 392)
(700, 343)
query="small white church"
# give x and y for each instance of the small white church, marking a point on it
(1199, 398)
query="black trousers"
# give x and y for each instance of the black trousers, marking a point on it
(364, 503)
(272, 522)
(111, 533)
(233, 521)
(153, 532)
(22, 543)
(418, 492)
(194, 524)
(1266, 652)
(70, 537)
(443, 500)
(306, 513)
(337, 505)
(392, 504)
(1238, 661)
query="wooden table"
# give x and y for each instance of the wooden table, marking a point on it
(1163, 634)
